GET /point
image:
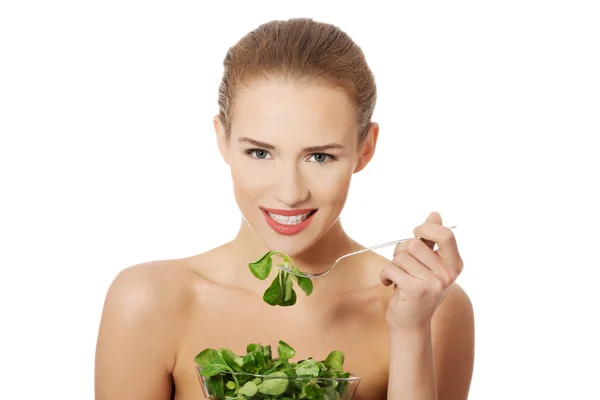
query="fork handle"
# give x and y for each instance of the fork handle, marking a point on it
(373, 248)
(382, 245)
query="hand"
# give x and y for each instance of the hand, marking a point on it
(421, 276)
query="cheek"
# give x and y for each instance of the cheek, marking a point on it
(332, 187)
(247, 181)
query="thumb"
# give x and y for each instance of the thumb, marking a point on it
(434, 218)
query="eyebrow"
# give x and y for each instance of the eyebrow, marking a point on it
(311, 149)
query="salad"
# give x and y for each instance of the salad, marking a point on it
(257, 375)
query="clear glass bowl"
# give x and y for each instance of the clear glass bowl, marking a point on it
(253, 387)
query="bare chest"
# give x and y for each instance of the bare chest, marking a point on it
(354, 326)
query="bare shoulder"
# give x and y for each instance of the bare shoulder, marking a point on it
(453, 335)
(139, 288)
(153, 291)
(137, 337)
(456, 305)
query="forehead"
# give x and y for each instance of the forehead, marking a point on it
(276, 108)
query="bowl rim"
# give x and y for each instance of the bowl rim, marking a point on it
(351, 378)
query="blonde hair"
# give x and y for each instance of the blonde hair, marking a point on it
(304, 50)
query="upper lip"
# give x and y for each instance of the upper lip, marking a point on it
(288, 213)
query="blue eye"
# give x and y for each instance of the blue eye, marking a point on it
(259, 154)
(321, 158)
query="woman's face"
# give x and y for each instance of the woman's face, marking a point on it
(292, 151)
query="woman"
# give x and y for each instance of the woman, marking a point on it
(294, 125)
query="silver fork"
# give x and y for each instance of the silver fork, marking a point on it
(312, 276)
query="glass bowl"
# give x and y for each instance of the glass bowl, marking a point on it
(238, 385)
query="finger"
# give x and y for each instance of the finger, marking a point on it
(414, 246)
(403, 245)
(412, 266)
(429, 259)
(403, 282)
(443, 236)
(400, 247)
(433, 218)
(426, 256)
(392, 274)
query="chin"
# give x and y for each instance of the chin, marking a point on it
(292, 248)
(290, 245)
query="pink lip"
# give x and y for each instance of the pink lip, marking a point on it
(288, 230)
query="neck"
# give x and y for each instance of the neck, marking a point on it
(317, 258)
(247, 247)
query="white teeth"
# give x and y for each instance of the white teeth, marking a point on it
(293, 220)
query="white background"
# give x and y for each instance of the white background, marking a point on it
(489, 114)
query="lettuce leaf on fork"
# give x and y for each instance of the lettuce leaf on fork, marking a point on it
(281, 291)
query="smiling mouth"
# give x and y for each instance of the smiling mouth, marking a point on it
(288, 222)
(290, 219)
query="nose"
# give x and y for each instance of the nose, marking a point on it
(291, 188)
